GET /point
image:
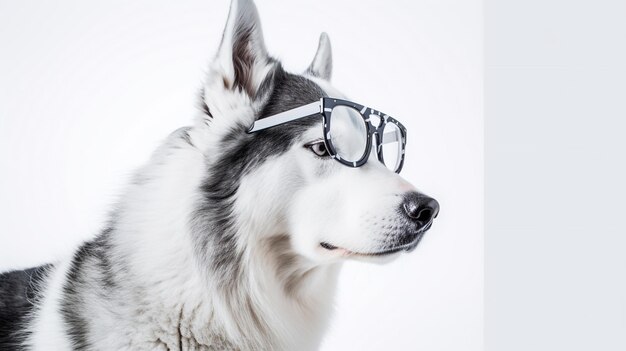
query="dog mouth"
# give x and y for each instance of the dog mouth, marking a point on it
(407, 245)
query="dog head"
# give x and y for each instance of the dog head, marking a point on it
(280, 181)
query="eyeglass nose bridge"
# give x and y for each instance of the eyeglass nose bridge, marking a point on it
(375, 120)
(377, 145)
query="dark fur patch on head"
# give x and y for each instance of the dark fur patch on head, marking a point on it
(19, 294)
(241, 153)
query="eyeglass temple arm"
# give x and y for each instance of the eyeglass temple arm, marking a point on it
(302, 112)
(287, 116)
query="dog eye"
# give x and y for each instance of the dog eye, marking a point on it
(318, 148)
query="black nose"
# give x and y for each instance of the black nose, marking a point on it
(420, 208)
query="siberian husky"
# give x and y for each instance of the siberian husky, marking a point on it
(233, 235)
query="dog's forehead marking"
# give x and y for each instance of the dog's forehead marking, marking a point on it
(328, 88)
(290, 91)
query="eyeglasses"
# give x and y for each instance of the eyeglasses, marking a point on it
(349, 129)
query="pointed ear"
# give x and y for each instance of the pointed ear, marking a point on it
(322, 65)
(242, 59)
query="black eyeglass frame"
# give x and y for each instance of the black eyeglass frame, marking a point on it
(324, 107)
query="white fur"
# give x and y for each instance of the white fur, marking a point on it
(48, 332)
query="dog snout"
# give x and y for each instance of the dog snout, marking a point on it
(420, 209)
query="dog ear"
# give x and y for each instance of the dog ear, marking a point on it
(322, 65)
(242, 59)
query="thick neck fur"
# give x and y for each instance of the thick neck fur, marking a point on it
(275, 300)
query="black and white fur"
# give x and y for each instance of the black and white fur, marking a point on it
(224, 240)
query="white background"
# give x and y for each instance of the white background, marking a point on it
(555, 246)
(88, 89)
